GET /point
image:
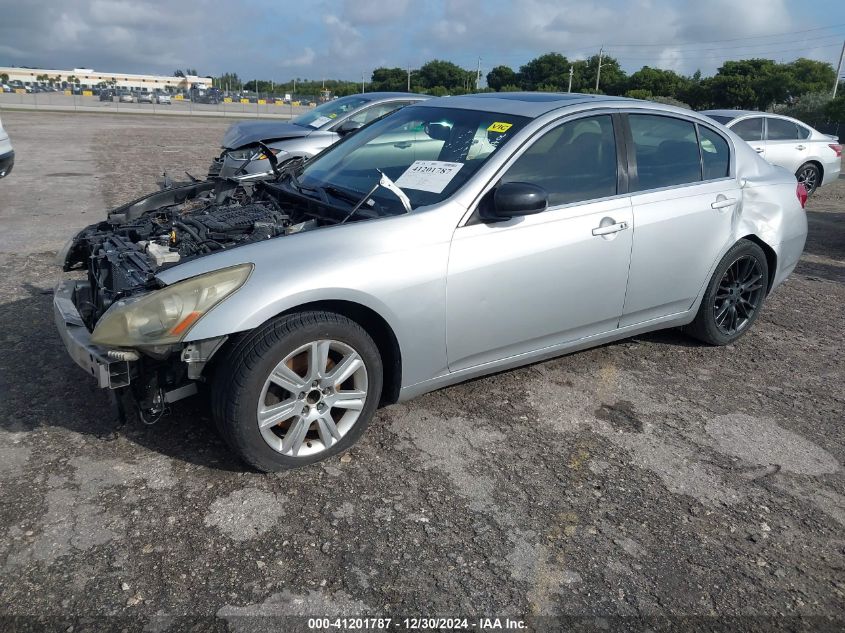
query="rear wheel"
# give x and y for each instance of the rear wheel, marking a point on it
(810, 176)
(734, 296)
(298, 390)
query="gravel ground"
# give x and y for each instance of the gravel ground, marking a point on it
(649, 484)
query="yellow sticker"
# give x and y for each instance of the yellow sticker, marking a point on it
(500, 127)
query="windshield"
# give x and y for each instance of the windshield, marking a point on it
(429, 153)
(328, 112)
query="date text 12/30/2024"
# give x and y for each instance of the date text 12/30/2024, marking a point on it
(415, 624)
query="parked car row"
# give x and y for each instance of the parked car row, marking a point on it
(7, 154)
(400, 258)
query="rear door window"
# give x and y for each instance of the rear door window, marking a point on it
(781, 130)
(666, 150)
(715, 154)
(750, 130)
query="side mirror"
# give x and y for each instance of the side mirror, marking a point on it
(515, 199)
(348, 127)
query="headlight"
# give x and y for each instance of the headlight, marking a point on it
(251, 153)
(165, 316)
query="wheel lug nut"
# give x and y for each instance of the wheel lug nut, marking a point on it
(315, 384)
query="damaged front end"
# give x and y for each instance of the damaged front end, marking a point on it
(122, 324)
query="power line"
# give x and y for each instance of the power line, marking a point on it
(717, 54)
(836, 36)
(740, 39)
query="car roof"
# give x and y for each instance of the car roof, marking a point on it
(530, 104)
(733, 114)
(376, 96)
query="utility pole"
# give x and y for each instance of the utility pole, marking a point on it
(409, 78)
(570, 78)
(478, 75)
(838, 70)
(598, 70)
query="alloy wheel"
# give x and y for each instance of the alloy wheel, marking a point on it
(312, 398)
(809, 177)
(739, 294)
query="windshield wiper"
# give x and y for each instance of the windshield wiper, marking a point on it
(387, 183)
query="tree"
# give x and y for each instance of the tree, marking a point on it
(835, 109)
(613, 79)
(810, 75)
(732, 91)
(4, 78)
(178, 73)
(501, 76)
(639, 93)
(696, 91)
(390, 79)
(752, 83)
(665, 83)
(446, 75)
(550, 70)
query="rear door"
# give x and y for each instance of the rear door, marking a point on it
(786, 143)
(751, 131)
(684, 196)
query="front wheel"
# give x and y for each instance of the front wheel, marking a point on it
(734, 296)
(810, 176)
(297, 390)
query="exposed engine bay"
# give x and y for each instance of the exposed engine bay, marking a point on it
(124, 252)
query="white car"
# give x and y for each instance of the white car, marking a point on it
(814, 158)
(161, 98)
(7, 154)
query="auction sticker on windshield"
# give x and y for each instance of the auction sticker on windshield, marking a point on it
(319, 121)
(500, 127)
(429, 175)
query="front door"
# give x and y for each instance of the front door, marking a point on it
(541, 280)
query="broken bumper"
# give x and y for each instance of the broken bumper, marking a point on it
(109, 373)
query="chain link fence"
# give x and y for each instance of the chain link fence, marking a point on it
(116, 101)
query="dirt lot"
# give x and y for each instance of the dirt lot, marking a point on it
(654, 483)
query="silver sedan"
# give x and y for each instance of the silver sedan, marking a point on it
(303, 136)
(814, 157)
(453, 238)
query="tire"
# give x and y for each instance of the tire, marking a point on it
(327, 418)
(810, 175)
(734, 296)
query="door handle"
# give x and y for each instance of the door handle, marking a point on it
(724, 202)
(610, 228)
(800, 147)
(402, 145)
(759, 150)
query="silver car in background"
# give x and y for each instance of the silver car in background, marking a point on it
(7, 154)
(304, 135)
(815, 158)
(503, 229)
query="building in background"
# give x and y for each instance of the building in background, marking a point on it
(87, 78)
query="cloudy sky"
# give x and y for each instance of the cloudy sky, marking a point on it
(279, 40)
